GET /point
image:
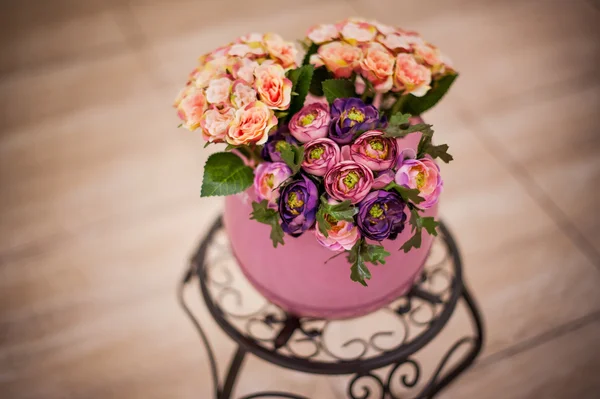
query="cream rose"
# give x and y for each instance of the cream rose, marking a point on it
(215, 123)
(340, 58)
(358, 31)
(191, 105)
(410, 76)
(377, 65)
(218, 90)
(283, 52)
(273, 88)
(251, 124)
(242, 94)
(323, 33)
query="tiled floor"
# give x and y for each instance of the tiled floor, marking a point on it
(99, 203)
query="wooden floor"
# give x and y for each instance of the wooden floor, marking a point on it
(100, 207)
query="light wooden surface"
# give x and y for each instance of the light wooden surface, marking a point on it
(99, 204)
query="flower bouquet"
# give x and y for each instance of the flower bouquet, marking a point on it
(330, 155)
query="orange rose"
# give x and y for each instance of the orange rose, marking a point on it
(251, 124)
(283, 52)
(377, 66)
(191, 105)
(410, 76)
(273, 88)
(340, 58)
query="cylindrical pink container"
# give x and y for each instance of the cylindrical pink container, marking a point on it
(295, 277)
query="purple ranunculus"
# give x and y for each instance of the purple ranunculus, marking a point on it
(348, 180)
(349, 116)
(381, 215)
(310, 123)
(272, 150)
(298, 204)
(320, 155)
(374, 151)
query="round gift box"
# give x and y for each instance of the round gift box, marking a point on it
(297, 278)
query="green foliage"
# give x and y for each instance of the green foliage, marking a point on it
(225, 174)
(360, 253)
(312, 49)
(301, 78)
(418, 105)
(263, 214)
(399, 126)
(319, 76)
(338, 88)
(407, 194)
(293, 156)
(435, 151)
(418, 223)
(342, 211)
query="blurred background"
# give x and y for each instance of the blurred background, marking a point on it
(100, 206)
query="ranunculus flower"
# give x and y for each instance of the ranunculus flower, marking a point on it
(340, 58)
(218, 90)
(424, 175)
(283, 52)
(311, 122)
(275, 144)
(410, 76)
(374, 151)
(349, 116)
(191, 105)
(323, 33)
(377, 65)
(298, 206)
(348, 180)
(273, 88)
(320, 155)
(251, 124)
(242, 94)
(358, 31)
(268, 176)
(381, 215)
(215, 123)
(341, 236)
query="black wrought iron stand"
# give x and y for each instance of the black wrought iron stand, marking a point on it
(382, 364)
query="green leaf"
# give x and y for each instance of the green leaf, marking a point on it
(342, 211)
(418, 105)
(319, 76)
(407, 194)
(358, 270)
(338, 88)
(438, 151)
(430, 225)
(263, 214)
(417, 224)
(225, 174)
(312, 49)
(399, 126)
(412, 242)
(293, 156)
(374, 254)
(399, 119)
(301, 78)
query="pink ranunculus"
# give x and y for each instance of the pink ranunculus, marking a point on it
(320, 155)
(191, 105)
(374, 151)
(215, 123)
(273, 88)
(410, 76)
(281, 51)
(383, 179)
(251, 124)
(424, 175)
(341, 236)
(340, 58)
(377, 65)
(348, 180)
(358, 31)
(218, 90)
(242, 94)
(311, 122)
(268, 178)
(323, 33)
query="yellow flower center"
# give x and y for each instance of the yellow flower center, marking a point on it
(294, 202)
(317, 152)
(308, 119)
(355, 115)
(377, 211)
(420, 180)
(270, 180)
(281, 145)
(351, 179)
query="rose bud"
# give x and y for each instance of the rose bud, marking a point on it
(320, 155)
(374, 151)
(424, 175)
(268, 176)
(350, 116)
(276, 143)
(341, 236)
(311, 122)
(348, 180)
(298, 206)
(381, 215)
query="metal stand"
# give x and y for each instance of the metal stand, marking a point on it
(382, 364)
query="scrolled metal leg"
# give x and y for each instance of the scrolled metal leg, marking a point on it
(234, 369)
